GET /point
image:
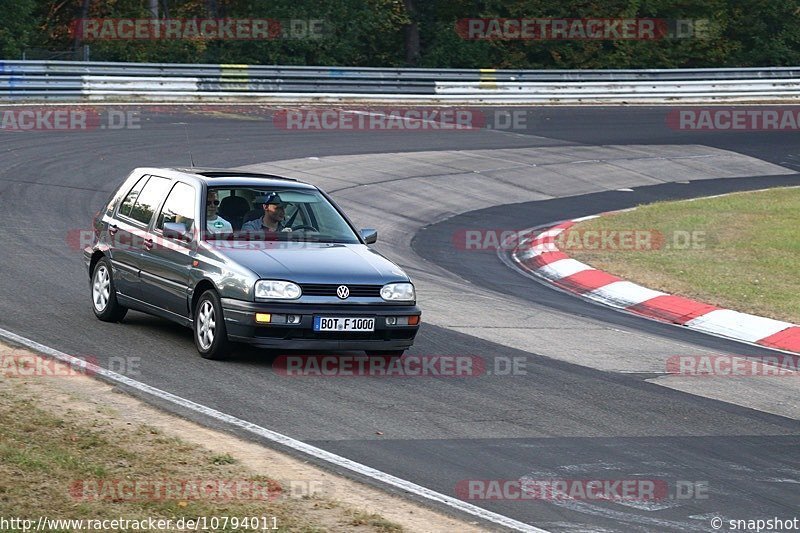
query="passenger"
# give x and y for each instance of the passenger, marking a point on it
(215, 223)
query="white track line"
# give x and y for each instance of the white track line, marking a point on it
(279, 438)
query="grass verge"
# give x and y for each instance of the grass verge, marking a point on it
(64, 458)
(740, 251)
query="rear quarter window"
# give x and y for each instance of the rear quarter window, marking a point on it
(149, 199)
(130, 198)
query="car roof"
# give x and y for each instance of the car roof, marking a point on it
(225, 177)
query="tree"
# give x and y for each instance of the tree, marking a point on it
(411, 33)
(16, 27)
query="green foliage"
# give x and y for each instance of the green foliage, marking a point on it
(16, 26)
(737, 33)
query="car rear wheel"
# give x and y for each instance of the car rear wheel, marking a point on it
(210, 335)
(104, 295)
(385, 353)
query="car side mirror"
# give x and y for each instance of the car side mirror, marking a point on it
(177, 230)
(369, 235)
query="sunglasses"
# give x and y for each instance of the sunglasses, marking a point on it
(212, 202)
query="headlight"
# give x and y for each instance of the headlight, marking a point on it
(277, 290)
(403, 292)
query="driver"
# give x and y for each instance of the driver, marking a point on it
(272, 220)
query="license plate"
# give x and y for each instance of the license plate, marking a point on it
(339, 323)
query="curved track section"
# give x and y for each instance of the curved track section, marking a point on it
(582, 409)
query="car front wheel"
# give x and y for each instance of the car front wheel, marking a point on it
(104, 295)
(210, 335)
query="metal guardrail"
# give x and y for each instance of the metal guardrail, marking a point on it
(92, 81)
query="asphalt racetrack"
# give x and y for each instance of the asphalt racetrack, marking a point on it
(592, 403)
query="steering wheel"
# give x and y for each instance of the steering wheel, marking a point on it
(291, 218)
(305, 227)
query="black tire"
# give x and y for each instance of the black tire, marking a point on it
(385, 353)
(104, 293)
(211, 340)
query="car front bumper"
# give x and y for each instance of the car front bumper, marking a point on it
(242, 326)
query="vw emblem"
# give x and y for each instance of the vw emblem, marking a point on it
(342, 292)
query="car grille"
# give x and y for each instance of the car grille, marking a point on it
(325, 289)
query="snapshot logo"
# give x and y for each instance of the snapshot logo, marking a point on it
(27, 365)
(67, 119)
(731, 366)
(232, 29)
(760, 524)
(217, 490)
(604, 29)
(579, 489)
(635, 240)
(734, 119)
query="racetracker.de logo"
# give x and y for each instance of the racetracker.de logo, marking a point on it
(47, 118)
(457, 366)
(133, 239)
(492, 240)
(150, 490)
(230, 29)
(398, 119)
(730, 366)
(603, 29)
(563, 489)
(579, 240)
(734, 119)
(26, 365)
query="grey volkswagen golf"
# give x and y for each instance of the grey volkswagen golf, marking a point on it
(246, 257)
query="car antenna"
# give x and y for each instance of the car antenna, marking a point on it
(188, 144)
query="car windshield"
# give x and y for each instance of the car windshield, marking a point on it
(274, 214)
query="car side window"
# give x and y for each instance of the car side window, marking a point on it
(130, 199)
(179, 207)
(147, 202)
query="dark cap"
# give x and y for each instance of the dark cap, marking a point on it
(273, 198)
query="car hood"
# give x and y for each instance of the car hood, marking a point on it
(317, 263)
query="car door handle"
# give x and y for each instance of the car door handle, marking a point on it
(148, 243)
(113, 229)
